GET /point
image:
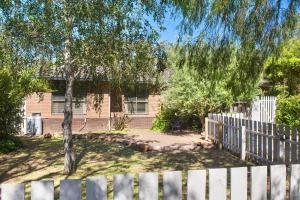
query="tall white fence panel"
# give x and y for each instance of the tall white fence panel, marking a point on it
(263, 109)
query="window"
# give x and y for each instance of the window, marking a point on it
(136, 105)
(58, 103)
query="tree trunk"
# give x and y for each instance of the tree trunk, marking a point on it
(69, 162)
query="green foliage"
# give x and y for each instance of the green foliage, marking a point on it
(189, 92)
(245, 33)
(16, 83)
(288, 110)
(192, 93)
(163, 120)
(169, 117)
(10, 144)
(109, 40)
(284, 71)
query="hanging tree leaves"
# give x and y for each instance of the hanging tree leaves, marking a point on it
(242, 33)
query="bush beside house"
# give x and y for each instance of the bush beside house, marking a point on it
(288, 110)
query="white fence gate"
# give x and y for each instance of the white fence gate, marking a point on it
(263, 109)
(255, 183)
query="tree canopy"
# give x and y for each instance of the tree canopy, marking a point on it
(283, 71)
(244, 33)
(95, 40)
(16, 82)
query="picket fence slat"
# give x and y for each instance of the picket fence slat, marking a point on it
(70, 190)
(278, 182)
(259, 183)
(172, 185)
(295, 182)
(196, 185)
(294, 146)
(123, 187)
(260, 150)
(217, 184)
(12, 191)
(42, 190)
(148, 186)
(287, 134)
(255, 138)
(298, 141)
(276, 144)
(270, 142)
(238, 178)
(96, 188)
(264, 144)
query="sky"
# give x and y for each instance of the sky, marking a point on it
(171, 33)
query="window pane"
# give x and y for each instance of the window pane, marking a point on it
(79, 108)
(58, 97)
(141, 98)
(58, 101)
(133, 99)
(142, 107)
(58, 107)
(130, 107)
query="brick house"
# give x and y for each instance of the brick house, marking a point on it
(94, 108)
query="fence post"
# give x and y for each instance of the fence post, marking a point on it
(206, 128)
(220, 135)
(243, 143)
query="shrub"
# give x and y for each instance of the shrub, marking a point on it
(288, 110)
(163, 121)
(16, 82)
(121, 122)
(9, 144)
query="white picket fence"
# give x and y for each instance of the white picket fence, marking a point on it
(258, 141)
(258, 183)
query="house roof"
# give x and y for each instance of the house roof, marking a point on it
(265, 83)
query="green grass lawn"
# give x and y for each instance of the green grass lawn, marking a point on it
(43, 159)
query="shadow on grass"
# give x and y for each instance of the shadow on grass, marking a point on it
(43, 159)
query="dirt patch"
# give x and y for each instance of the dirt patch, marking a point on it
(145, 140)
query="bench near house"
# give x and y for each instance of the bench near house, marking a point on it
(94, 107)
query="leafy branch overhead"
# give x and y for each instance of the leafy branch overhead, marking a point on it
(242, 33)
(109, 38)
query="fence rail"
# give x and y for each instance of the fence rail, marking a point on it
(258, 183)
(263, 142)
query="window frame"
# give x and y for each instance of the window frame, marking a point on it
(136, 101)
(75, 100)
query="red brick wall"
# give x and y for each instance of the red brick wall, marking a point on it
(141, 122)
(53, 125)
(97, 117)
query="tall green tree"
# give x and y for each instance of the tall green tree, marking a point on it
(99, 40)
(189, 91)
(283, 70)
(243, 32)
(16, 82)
